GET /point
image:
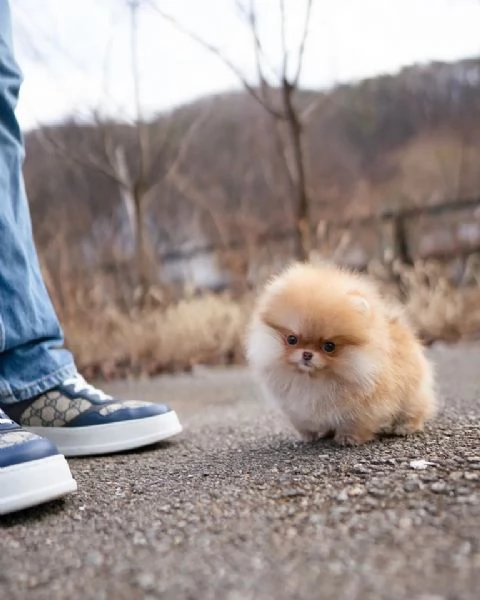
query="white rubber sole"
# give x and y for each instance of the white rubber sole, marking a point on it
(34, 482)
(112, 437)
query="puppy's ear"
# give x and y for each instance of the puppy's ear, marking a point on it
(359, 302)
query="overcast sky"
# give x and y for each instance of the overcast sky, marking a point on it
(76, 55)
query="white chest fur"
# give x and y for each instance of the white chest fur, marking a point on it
(311, 404)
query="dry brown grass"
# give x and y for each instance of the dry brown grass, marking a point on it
(112, 342)
(200, 330)
(439, 308)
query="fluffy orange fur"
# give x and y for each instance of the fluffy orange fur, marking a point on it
(337, 357)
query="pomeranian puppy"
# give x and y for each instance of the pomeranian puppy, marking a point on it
(337, 358)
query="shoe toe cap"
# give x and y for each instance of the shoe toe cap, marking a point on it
(19, 446)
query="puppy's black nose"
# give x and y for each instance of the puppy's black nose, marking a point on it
(307, 356)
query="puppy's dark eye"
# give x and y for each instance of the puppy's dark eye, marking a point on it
(329, 347)
(292, 340)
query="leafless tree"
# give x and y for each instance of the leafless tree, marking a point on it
(279, 101)
(139, 175)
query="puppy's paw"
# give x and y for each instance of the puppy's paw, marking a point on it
(352, 438)
(308, 436)
(346, 439)
(313, 436)
(407, 428)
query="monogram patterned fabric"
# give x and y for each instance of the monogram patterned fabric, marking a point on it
(15, 437)
(108, 409)
(53, 409)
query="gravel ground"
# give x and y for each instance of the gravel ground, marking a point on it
(236, 509)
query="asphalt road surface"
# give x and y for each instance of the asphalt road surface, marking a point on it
(236, 509)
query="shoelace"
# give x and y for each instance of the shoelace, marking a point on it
(80, 385)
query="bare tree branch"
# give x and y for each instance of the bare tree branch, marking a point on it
(259, 55)
(88, 161)
(142, 129)
(303, 42)
(41, 44)
(283, 35)
(186, 141)
(312, 107)
(201, 199)
(178, 160)
(219, 54)
(119, 161)
(288, 122)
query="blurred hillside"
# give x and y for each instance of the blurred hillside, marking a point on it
(219, 212)
(388, 142)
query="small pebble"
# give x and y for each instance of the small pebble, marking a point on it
(420, 464)
(439, 488)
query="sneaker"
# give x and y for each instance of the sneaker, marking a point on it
(82, 420)
(32, 471)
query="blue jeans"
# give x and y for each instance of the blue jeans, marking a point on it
(32, 359)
